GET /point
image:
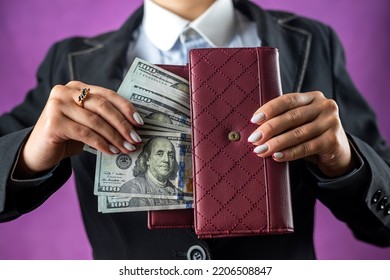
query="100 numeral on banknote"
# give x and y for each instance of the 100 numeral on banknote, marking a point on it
(117, 204)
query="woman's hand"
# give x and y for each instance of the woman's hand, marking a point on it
(104, 121)
(303, 125)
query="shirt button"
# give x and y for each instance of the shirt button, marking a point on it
(377, 195)
(382, 203)
(196, 253)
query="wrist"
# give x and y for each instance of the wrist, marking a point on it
(343, 166)
(22, 169)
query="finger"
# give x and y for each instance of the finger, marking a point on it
(126, 108)
(100, 101)
(292, 138)
(66, 97)
(296, 137)
(331, 154)
(298, 143)
(93, 122)
(321, 147)
(286, 121)
(110, 114)
(72, 130)
(123, 105)
(282, 104)
(303, 150)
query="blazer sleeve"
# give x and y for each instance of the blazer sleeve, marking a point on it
(362, 199)
(17, 198)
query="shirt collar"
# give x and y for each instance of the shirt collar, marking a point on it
(163, 27)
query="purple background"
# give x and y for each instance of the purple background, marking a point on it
(29, 27)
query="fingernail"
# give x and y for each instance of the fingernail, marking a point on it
(258, 117)
(113, 149)
(261, 149)
(278, 155)
(135, 136)
(137, 117)
(129, 146)
(255, 136)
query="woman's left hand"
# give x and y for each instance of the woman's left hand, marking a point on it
(303, 125)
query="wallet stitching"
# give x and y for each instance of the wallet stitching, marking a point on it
(238, 191)
(205, 83)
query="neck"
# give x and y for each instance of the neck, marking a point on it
(187, 9)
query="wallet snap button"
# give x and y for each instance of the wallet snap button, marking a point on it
(234, 136)
(196, 253)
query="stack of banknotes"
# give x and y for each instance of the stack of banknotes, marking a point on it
(158, 175)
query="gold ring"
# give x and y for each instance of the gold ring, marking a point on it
(82, 97)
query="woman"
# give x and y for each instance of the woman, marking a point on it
(332, 158)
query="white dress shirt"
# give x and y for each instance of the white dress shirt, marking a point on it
(165, 38)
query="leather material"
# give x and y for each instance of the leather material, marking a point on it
(178, 218)
(236, 193)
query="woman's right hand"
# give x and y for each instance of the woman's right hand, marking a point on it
(105, 122)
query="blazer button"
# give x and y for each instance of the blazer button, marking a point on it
(387, 210)
(196, 253)
(382, 203)
(377, 195)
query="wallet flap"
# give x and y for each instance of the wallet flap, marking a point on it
(234, 190)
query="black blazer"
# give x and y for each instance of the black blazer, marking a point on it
(311, 58)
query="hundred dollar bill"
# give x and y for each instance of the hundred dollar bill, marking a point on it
(146, 100)
(157, 124)
(163, 90)
(150, 125)
(161, 167)
(143, 71)
(115, 204)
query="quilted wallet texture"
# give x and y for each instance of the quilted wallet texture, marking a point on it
(236, 193)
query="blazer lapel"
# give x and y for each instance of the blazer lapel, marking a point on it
(103, 61)
(293, 43)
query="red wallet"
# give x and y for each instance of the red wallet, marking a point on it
(236, 193)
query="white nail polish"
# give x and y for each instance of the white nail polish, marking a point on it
(129, 146)
(113, 149)
(137, 117)
(278, 155)
(255, 136)
(261, 149)
(258, 117)
(135, 136)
